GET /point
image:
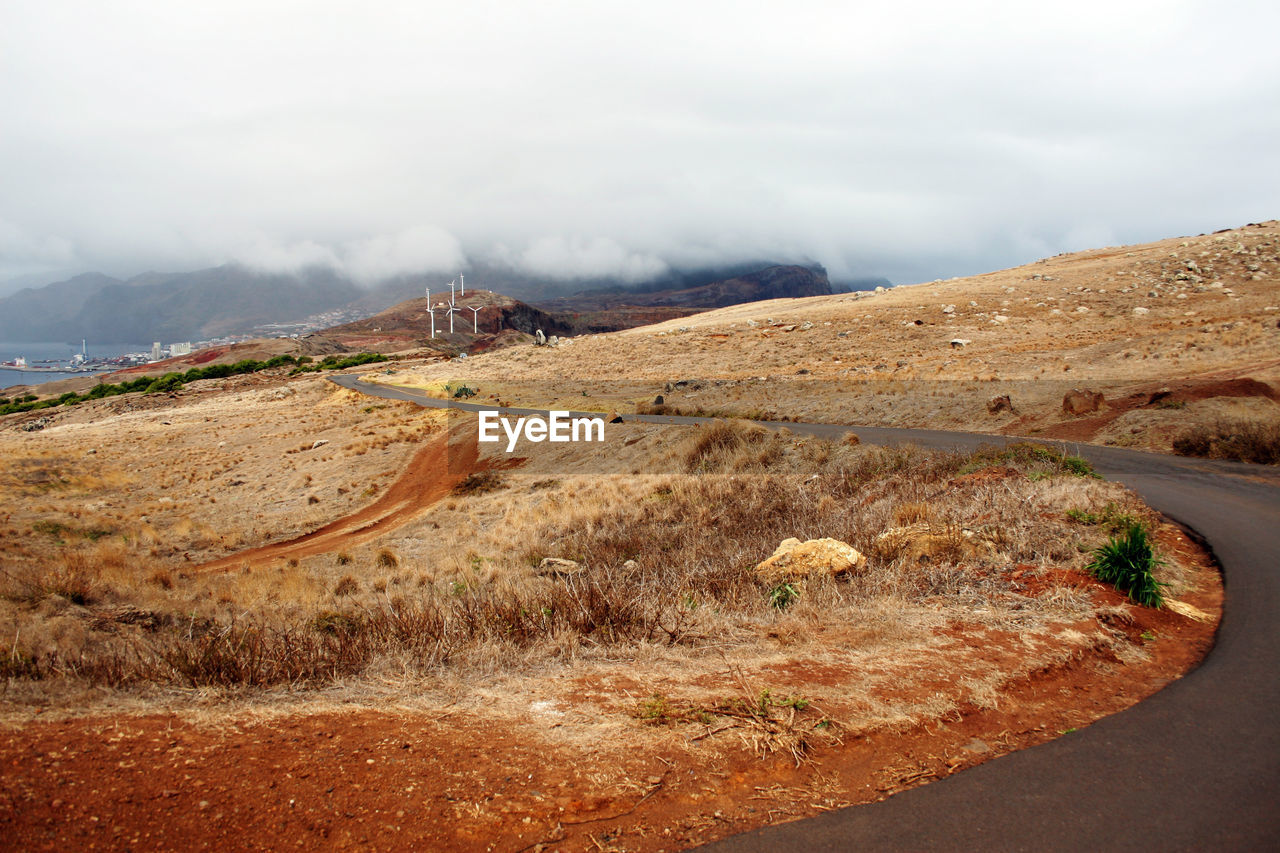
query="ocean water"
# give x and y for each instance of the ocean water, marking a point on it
(44, 350)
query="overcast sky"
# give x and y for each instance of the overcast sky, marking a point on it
(911, 140)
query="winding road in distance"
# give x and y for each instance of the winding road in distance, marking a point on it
(1196, 766)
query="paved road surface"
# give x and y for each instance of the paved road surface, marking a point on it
(1194, 767)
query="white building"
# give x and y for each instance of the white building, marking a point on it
(176, 349)
(156, 353)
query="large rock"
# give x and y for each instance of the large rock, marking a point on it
(796, 560)
(924, 541)
(1002, 403)
(1077, 402)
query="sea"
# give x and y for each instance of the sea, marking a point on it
(62, 352)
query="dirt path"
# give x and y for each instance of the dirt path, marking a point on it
(432, 473)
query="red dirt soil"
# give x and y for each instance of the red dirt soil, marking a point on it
(455, 781)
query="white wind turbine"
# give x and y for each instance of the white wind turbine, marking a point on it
(462, 287)
(452, 285)
(431, 309)
(475, 319)
(453, 309)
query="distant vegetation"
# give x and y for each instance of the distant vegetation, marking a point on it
(1244, 440)
(175, 380)
(335, 362)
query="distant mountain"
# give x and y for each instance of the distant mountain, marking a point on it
(168, 307)
(772, 282)
(233, 300)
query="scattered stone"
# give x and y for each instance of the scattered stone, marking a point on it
(614, 418)
(539, 339)
(1001, 403)
(1139, 310)
(36, 425)
(796, 560)
(555, 567)
(319, 442)
(957, 343)
(805, 326)
(659, 400)
(948, 309)
(1077, 402)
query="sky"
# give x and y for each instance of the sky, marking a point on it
(912, 140)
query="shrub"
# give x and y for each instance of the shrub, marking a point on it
(1126, 562)
(479, 483)
(784, 595)
(1242, 440)
(1037, 459)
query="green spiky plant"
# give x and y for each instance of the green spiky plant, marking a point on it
(1126, 562)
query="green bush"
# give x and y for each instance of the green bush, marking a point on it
(784, 595)
(1126, 562)
(1038, 460)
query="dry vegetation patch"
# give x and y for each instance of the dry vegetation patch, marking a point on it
(666, 562)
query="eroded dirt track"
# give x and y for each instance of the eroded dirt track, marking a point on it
(432, 473)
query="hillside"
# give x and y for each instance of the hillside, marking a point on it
(773, 282)
(1170, 334)
(408, 325)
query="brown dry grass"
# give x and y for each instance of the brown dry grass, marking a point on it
(668, 577)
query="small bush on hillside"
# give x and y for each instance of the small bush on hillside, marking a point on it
(1242, 440)
(479, 483)
(1126, 562)
(1036, 458)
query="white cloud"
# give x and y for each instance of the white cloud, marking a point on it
(916, 140)
(263, 254)
(578, 257)
(423, 248)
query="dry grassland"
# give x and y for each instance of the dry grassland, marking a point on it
(1196, 317)
(663, 646)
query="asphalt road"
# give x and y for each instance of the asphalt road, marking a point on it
(1194, 767)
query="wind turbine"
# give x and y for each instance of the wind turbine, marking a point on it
(475, 319)
(462, 288)
(431, 309)
(428, 297)
(452, 285)
(453, 309)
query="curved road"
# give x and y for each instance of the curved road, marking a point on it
(1196, 766)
